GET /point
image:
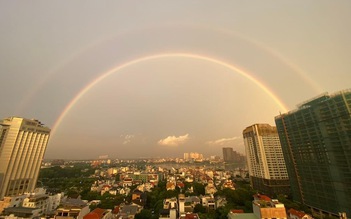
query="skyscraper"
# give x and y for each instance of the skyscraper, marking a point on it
(231, 156)
(227, 154)
(22, 147)
(316, 142)
(265, 159)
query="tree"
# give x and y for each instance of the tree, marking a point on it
(199, 189)
(91, 195)
(144, 214)
(109, 201)
(199, 209)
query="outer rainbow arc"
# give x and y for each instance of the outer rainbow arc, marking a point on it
(258, 44)
(165, 55)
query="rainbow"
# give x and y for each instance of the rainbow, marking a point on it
(159, 56)
(33, 91)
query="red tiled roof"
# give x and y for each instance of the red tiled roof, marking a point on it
(190, 216)
(180, 184)
(97, 213)
(237, 211)
(116, 210)
(263, 197)
(296, 212)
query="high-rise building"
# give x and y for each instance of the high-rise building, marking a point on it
(227, 154)
(265, 160)
(186, 156)
(231, 156)
(316, 142)
(193, 156)
(22, 147)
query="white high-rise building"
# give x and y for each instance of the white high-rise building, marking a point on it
(22, 146)
(186, 156)
(265, 159)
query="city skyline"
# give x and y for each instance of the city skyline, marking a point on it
(154, 79)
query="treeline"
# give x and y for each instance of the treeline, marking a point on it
(71, 180)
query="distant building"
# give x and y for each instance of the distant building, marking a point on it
(181, 203)
(316, 142)
(22, 146)
(170, 209)
(227, 154)
(193, 156)
(208, 202)
(265, 160)
(186, 156)
(231, 156)
(210, 188)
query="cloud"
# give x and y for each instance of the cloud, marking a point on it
(127, 138)
(173, 140)
(223, 141)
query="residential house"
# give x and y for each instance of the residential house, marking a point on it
(210, 188)
(99, 213)
(22, 212)
(72, 209)
(40, 201)
(208, 202)
(295, 214)
(264, 207)
(11, 201)
(128, 211)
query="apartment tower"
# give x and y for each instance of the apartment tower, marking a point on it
(316, 142)
(227, 154)
(22, 147)
(231, 156)
(265, 160)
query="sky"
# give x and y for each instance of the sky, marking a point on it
(148, 79)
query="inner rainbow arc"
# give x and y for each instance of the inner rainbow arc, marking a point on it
(158, 56)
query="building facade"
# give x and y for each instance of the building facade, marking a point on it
(265, 160)
(22, 147)
(231, 156)
(316, 142)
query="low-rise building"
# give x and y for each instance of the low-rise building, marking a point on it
(72, 209)
(210, 188)
(22, 212)
(208, 202)
(295, 214)
(40, 201)
(99, 213)
(189, 216)
(228, 184)
(265, 207)
(128, 211)
(168, 214)
(11, 201)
